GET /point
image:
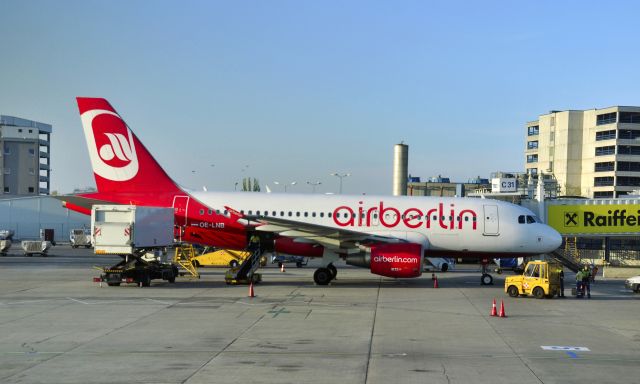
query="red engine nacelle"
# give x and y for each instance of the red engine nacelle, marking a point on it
(288, 246)
(391, 260)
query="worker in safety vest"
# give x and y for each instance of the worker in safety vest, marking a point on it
(579, 292)
(586, 281)
(254, 242)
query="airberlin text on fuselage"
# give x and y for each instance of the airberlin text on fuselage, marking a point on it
(390, 217)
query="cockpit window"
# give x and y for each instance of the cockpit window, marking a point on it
(528, 219)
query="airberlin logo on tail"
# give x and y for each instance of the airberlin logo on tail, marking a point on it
(111, 146)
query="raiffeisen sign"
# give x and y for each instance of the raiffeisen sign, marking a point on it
(595, 219)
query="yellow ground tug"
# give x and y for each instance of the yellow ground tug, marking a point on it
(540, 279)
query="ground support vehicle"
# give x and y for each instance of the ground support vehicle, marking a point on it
(633, 283)
(80, 238)
(140, 235)
(540, 279)
(139, 269)
(283, 259)
(4, 247)
(223, 258)
(245, 273)
(35, 247)
(514, 264)
(6, 234)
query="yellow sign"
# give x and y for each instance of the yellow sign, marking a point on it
(579, 219)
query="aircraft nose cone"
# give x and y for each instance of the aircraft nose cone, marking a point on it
(553, 239)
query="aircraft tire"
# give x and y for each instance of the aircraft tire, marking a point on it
(333, 270)
(322, 276)
(486, 279)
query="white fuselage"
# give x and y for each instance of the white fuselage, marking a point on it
(438, 223)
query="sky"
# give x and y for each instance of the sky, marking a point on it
(292, 91)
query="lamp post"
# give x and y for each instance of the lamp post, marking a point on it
(285, 185)
(313, 185)
(341, 176)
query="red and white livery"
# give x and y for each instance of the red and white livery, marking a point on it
(390, 235)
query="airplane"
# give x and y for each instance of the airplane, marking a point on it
(390, 235)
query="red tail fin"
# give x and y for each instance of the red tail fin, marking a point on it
(121, 164)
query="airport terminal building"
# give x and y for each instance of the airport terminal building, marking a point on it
(593, 153)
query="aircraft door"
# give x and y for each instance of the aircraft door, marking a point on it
(180, 207)
(491, 224)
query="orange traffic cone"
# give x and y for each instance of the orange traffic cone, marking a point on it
(493, 309)
(435, 283)
(251, 293)
(282, 267)
(502, 312)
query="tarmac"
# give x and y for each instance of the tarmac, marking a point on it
(57, 326)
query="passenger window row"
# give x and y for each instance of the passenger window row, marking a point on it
(330, 215)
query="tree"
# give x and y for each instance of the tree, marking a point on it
(248, 186)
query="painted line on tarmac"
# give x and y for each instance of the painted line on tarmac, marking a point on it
(564, 348)
(157, 301)
(77, 301)
(29, 302)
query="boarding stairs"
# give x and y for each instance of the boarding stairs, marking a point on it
(246, 272)
(185, 253)
(569, 257)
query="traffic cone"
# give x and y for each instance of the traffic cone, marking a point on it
(493, 309)
(282, 267)
(435, 283)
(251, 293)
(502, 312)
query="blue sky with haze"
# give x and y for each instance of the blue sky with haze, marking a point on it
(296, 90)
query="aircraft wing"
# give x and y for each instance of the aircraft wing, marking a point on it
(333, 238)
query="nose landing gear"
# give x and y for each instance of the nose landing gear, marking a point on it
(486, 278)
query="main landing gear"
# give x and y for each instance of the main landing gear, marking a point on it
(323, 276)
(486, 278)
